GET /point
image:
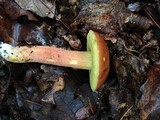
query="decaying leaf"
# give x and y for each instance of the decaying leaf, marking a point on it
(130, 72)
(82, 113)
(43, 8)
(49, 76)
(58, 85)
(73, 41)
(149, 103)
(5, 27)
(14, 11)
(109, 18)
(15, 33)
(4, 81)
(31, 33)
(48, 98)
(120, 102)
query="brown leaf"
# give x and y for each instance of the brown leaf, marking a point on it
(31, 33)
(149, 102)
(4, 81)
(14, 32)
(120, 102)
(48, 98)
(82, 113)
(109, 18)
(5, 27)
(14, 11)
(130, 72)
(98, 17)
(73, 41)
(58, 85)
(42, 8)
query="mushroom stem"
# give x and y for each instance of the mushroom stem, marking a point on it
(95, 59)
(47, 55)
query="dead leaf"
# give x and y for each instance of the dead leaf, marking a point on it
(130, 72)
(31, 33)
(48, 98)
(109, 17)
(5, 27)
(73, 41)
(43, 8)
(58, 85)
(14, 11)
(150, 99)
(120, 101)
(82, 113)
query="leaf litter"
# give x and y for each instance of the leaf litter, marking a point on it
(39, 91)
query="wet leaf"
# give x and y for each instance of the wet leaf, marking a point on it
(31, 33)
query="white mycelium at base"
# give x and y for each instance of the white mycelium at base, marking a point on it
(10, 53)
(5, 50)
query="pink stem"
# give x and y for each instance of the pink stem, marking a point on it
(52, 55)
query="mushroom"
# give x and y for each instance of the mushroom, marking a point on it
(95, 59)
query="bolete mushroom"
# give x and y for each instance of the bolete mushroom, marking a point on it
(95, 59)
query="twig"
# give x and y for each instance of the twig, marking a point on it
(131, 54)
(128, 48)
(126, 112)
(151, 16)
(31, 69)
(65, 25)
(90, 105)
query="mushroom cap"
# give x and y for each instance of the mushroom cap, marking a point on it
(100, 59)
